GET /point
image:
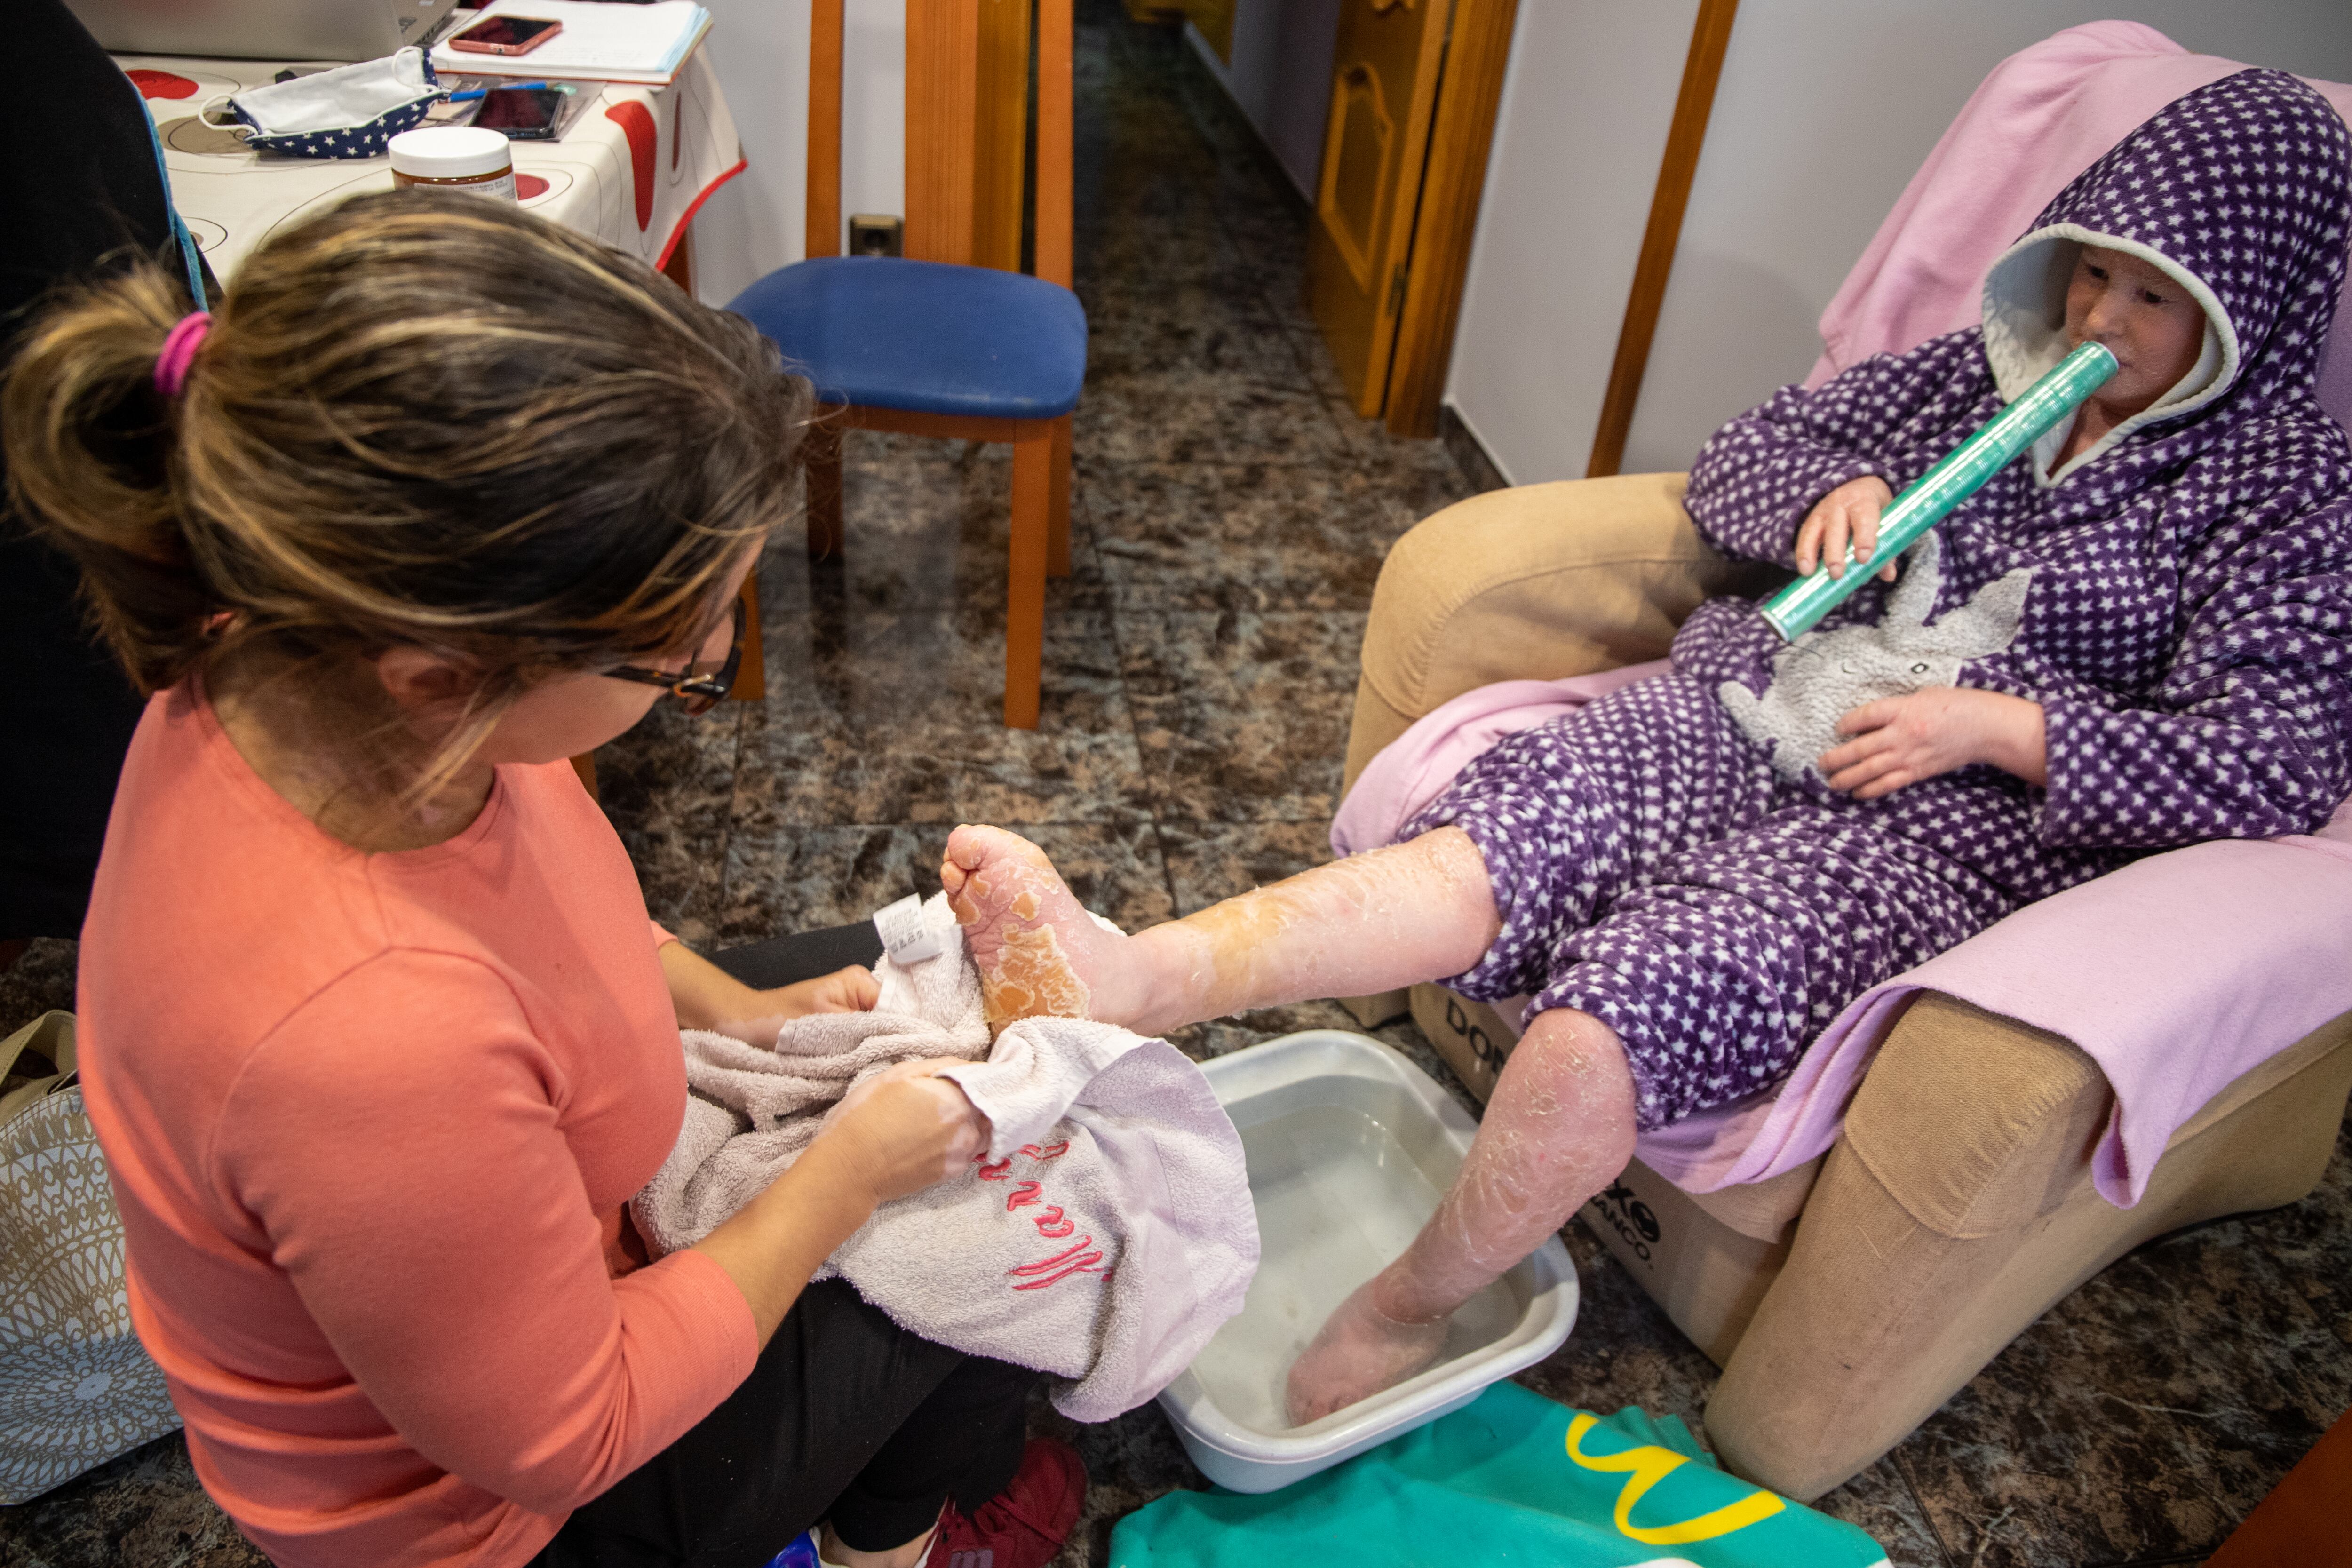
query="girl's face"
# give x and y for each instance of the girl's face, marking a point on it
(2147, 320)
(574, 714)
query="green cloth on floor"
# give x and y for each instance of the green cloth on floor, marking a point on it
(1511, 1478)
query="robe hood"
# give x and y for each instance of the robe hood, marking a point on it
(2240, 192)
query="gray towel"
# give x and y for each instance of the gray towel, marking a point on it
(1106, 1234)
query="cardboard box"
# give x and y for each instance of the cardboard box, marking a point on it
(1473, 1039)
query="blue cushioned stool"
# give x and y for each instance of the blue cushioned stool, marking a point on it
(925, 336)
(932, 348)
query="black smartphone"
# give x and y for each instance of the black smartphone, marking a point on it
(523, 113)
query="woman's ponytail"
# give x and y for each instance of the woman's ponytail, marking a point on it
(88, 444)
(417, 419)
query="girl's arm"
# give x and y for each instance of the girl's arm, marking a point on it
(1757, 477)
(2249, 733)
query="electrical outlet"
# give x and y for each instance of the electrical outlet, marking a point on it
(877, 233)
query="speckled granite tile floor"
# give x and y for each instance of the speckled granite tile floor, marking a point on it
(1231, 515)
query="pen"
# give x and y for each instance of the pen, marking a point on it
(474, 93)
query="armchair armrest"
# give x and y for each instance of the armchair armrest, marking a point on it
(1533, 583)
(1959, 1207)
(1974, 1122)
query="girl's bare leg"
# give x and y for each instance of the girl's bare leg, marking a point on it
(1560, 1125)
(1559, 1128)
(1371, 922)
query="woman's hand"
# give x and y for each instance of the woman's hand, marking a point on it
(757, 1016)
(1902, 740)
(851, 990)
(904, 1129)
(1848, 514)
(897, 1132)
(705, 997)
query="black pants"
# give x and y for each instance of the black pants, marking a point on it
(846, 1417)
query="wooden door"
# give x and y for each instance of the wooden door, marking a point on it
(1375, 146)
(1214, 18)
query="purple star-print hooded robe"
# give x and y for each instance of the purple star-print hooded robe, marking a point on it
(2186, 606)
(2178, 599)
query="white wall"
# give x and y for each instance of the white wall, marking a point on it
(1825, 110)
(1281, 76)
(759, 48)
(1587, 100)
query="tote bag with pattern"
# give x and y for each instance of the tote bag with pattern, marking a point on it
(76, 1389)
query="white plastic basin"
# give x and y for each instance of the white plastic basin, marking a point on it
(1350, 1146)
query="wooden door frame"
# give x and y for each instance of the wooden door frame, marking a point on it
(1452, 181)
(1702, 68)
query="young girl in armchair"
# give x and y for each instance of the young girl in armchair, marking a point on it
(2138, 637)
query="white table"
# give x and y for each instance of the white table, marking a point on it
(631, 169)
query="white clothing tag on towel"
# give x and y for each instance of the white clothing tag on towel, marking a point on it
(904, 937)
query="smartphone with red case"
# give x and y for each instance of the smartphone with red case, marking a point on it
(506, 36)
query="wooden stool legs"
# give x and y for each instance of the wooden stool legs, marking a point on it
(1057, 526)
(1040, 520)
(824, 469)
(1024, 594)
(751, 675)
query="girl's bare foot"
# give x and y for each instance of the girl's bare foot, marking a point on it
(1039, 955)
(1359, 1351)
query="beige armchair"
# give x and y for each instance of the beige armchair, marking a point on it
(1847, 1299)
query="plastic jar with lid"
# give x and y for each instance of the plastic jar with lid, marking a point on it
(454, 158)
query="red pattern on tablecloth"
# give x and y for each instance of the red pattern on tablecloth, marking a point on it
(638, 126)
(161, 84)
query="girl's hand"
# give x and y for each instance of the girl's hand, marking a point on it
(904, 1129)
(1902, 740)
(1848, 514)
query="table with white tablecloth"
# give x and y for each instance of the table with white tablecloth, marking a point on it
(632, 166)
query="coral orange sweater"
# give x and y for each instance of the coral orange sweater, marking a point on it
(363, 1113)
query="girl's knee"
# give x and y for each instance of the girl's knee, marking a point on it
(1569, 1066)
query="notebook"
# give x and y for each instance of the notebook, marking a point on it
(641, 43)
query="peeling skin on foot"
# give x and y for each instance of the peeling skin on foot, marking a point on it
(1031, 976)
(1032, 942)
(1359, 1351)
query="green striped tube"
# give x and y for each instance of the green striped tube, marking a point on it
(1798, 607)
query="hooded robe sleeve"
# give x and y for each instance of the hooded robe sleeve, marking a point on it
(2249, 733)
(1756, 479)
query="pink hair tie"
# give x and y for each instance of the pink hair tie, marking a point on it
(179, 351)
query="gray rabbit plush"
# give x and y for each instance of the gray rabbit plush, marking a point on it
(1823, 676)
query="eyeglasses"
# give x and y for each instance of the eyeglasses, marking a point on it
(698, 686)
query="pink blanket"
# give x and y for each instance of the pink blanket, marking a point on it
(2172, 1009)
(2044, 115)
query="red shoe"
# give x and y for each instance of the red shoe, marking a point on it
(1022, 1526)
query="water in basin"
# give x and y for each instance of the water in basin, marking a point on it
(1338, 1197)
